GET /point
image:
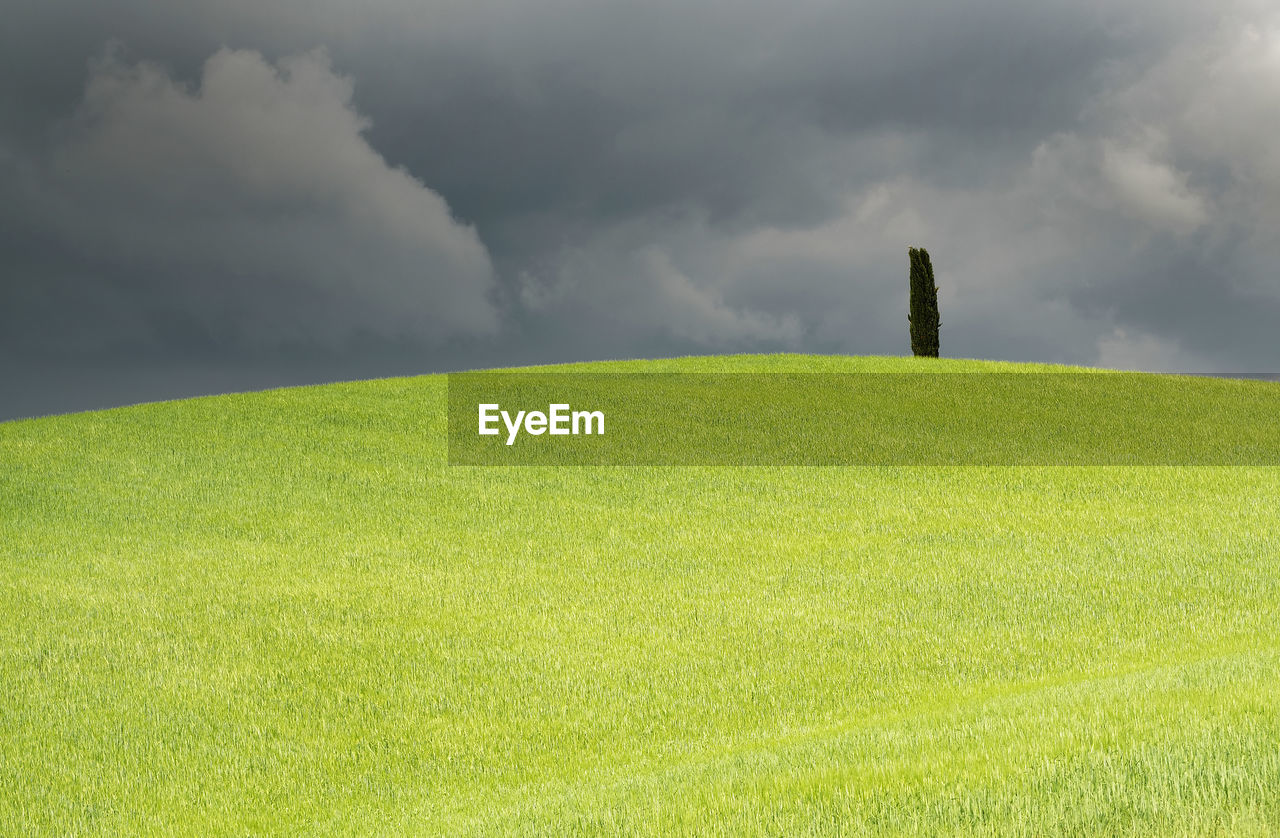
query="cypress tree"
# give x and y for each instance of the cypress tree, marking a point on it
(924, 305)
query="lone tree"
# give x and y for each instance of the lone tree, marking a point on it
(924, 305)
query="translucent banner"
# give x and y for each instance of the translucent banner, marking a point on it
(674, 419)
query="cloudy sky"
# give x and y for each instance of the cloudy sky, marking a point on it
(229, 194)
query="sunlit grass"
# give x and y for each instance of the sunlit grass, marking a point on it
(282, 613)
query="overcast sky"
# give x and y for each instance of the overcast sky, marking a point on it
(220, 195)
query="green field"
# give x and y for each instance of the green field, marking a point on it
(282, 613)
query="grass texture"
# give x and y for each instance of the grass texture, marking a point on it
(281, 613)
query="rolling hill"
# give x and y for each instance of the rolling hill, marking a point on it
(283, 613)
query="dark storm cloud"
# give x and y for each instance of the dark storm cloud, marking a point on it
(516, 182)
(247, 208)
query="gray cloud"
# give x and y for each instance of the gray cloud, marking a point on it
(245, 209)
(1096, 181)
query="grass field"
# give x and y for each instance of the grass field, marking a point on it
(281, 613)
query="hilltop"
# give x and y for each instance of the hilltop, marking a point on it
(281, 612)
